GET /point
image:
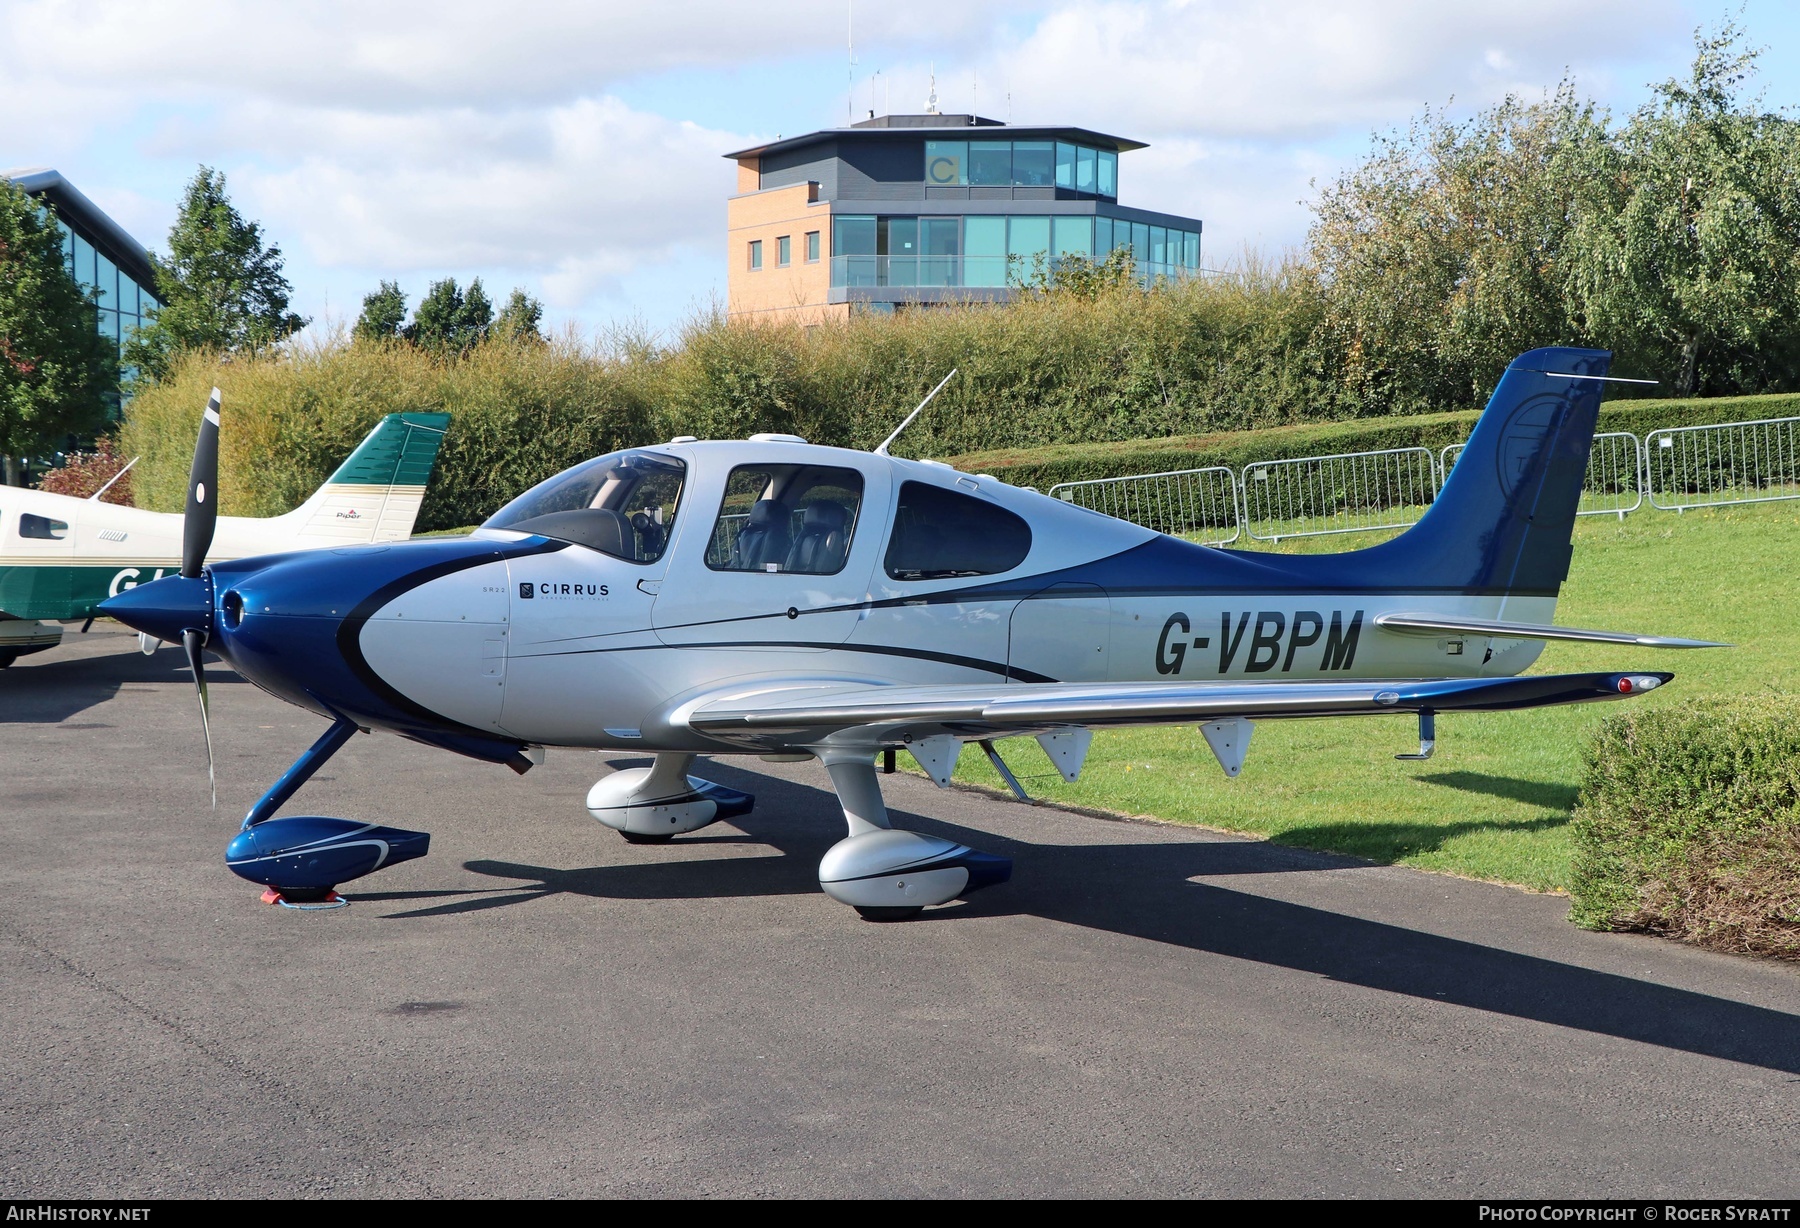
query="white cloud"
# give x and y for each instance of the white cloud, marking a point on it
(1227, 68)
(380, 140)
(579, 194)
(401, 53)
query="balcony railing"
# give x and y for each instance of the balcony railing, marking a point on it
(954, 272)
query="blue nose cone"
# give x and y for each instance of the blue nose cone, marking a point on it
(164, 608)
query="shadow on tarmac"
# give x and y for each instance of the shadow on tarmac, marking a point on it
(61, 687)
(1148, 891)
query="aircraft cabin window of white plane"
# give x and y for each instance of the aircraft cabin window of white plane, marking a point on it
(42, 527)
(790, 519)
(939, 533)
(622, 504)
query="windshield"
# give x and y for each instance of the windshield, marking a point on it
(622, 504)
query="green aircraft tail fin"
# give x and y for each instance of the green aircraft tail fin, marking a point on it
(375, 494)
(400, 451)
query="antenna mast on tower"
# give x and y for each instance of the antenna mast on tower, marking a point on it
(850, 43)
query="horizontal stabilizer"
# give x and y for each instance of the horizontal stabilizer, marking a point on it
(1432, 624)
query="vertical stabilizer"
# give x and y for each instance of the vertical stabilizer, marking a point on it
(1504, 520)
(375, 494)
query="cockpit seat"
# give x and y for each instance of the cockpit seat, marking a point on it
(765, 537)
(822, 545)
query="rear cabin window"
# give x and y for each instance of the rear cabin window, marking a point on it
(939, 533)
(785, 519)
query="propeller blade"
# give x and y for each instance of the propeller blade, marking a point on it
(202, 514)
(192, 641)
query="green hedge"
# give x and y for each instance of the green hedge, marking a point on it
(1044, 467)
(518, 415)
(1688, 825)
(1212, 372)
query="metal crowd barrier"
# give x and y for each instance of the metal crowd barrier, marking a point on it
(1352, 492)
(1731, 462)
(1615, 474)
(1199, 503)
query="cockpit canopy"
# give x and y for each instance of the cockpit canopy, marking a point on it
(622, 504)
(775, 517)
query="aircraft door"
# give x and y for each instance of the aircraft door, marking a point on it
(786, 562)
(1061, 633)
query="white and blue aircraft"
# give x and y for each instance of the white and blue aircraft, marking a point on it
(770, 597)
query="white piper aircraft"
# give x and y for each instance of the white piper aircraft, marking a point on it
(769, 597)
(60, 556)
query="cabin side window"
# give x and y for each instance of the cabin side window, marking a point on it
(42, 527)
(940, 533)
(786, 519)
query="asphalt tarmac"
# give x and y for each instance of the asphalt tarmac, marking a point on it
(539, 1008)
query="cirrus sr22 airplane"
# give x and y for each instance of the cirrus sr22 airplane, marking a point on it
(770, 597)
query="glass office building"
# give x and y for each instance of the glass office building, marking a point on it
(923, 209)
(100, 255)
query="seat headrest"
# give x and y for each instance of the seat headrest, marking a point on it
(767, 512)
(824, 517)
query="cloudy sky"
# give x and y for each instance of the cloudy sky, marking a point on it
(573, 146)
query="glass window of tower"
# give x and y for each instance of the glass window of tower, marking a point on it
(1074, 236)
(1084, 170)
(990, 163)
(984, 251)
(946, 163)
(1034, 164)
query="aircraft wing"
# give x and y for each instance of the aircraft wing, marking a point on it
(806, 713)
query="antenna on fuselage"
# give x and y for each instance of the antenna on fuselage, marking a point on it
(882, 450)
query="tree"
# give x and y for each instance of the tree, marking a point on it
(1689, 233)
(1076, 276)
(58, 375)
(1446, 251)
(383, 313)
(220, 287)
(519, 319)
(450, 320)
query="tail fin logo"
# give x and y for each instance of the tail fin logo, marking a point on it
(1526, 428)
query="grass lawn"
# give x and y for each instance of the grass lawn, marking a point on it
(1494, 802)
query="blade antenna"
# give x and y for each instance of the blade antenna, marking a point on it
(882, 450)
(95, 497)
(192, 640)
